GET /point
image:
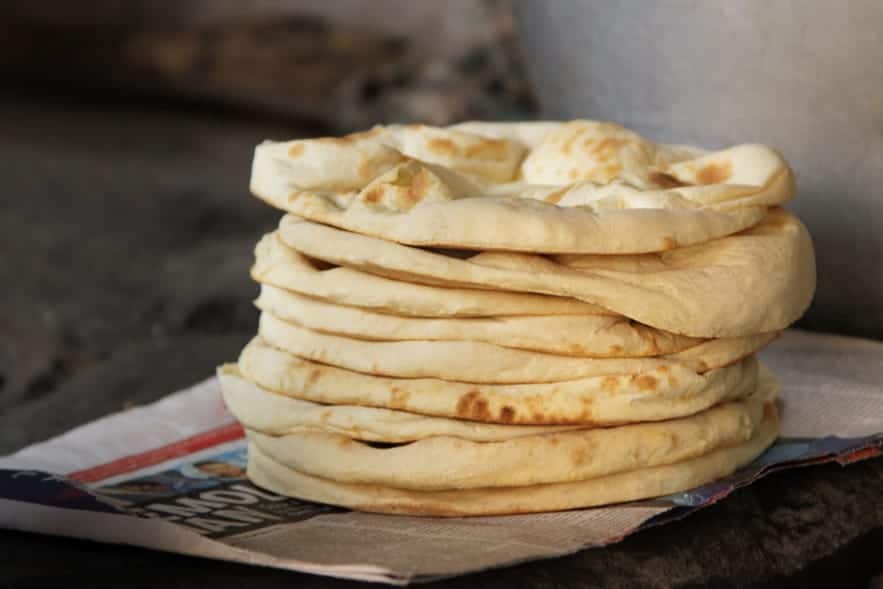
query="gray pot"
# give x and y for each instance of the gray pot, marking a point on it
(803, 76)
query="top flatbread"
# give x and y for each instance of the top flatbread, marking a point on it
(577, 187)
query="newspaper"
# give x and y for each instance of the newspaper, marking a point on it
(171, 476)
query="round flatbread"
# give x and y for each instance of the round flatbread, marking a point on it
(476, 362)
(281, 266)
(447, 463)
(664, 390)
(757, 281)
(595, 336)
(625, 486)
(265, 411)
(577, 187)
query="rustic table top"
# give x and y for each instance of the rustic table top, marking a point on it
(126, 236)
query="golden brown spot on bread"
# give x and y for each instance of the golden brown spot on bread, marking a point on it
(419, 186)
(314, 375)
(646, 382)
(609, 384)
(605, 148)
(507, 414)
(577, 350)
(398, 398)
(296, 150)
(556, 196)
(672, 381)
(714, 173)
(573, 174)
(664, 180)
(672, 439)
(669, 243)
(701, 365)
(578, 456)
(325, 415)
(487, 148)
(663, 368)
(443, 146)
(587, 414)
(585, 417)
(472, 406)
(553, 440)
(615, 349)
(373, 195)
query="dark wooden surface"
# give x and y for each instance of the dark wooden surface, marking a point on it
(126, 234)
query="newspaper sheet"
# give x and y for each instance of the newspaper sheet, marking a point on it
(171, 476)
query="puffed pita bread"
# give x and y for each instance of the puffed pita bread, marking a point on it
(586, 187)
(597, 336)
(625, 486)
(476, 362)
(665, 390)
(447, 462)
(757, 281)
(279, 265)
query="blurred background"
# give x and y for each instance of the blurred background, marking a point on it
(126, 135)
(127, 130)
(344, 64)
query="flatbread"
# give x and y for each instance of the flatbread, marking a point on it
(476, 362)
(447, 462)
(596, 336)
(757, 281)
(665, 390)
(279, 265)
(262, 410)
(625, 486)
(584, 187)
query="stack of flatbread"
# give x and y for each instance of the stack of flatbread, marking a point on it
(508, 318)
